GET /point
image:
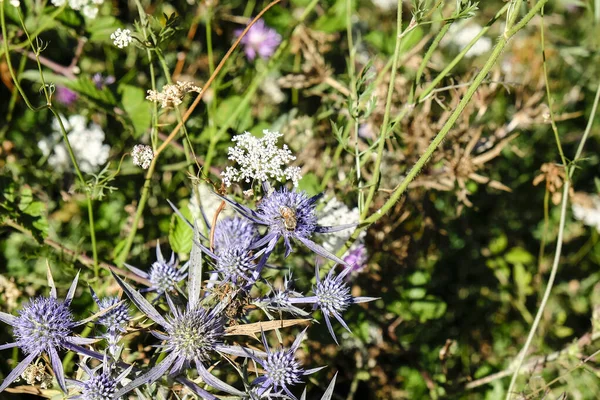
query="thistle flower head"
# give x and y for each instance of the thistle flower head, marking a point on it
(101, 384)
(288, 215)
(43, 324)
(281, 368)
(193, 335)
(235, 231)
(260, 40)
(164, 276)
(236, 264)
(333, 295)
(115, 319)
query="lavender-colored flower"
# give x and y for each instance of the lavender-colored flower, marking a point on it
(164, 276)
(260, 40)
(191, 337)
(288, 215)
(100, 385)
(44, 325)
(356, 258)
(279, 299)
(101, 82)
(115, 319)
(66, 96)
(282, 370)
(235, 230)
(332, 297)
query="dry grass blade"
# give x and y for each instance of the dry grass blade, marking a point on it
(251, 329)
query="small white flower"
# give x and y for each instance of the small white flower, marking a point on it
(587, 210)
(142, 155)
(337, 213)
(15, 3)
(260, 159)
(461, 35)
(386, 5)
(86, 142)
(172, 94)
(121, 37)
(90, 11)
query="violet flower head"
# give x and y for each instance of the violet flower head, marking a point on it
(66, 96)
(332, 297)
(101, 82)
(282, 370)
(164, 276)
(356, 258)
(115, 319)
(190, 337)
(235, 260)
(100, 385)
(44, 325)
(260, 40)
(288, 215)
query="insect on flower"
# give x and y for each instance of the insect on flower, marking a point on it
(289, 218)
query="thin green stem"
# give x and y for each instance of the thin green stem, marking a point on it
(374, 181)
(400, 189)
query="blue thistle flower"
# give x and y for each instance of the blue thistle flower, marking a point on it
(44, 325)
(281, 369)
(190, 337)
(100, 385)
(288, 215)
(236, 231)
(115, 319)
(164, 276)
(332, 297)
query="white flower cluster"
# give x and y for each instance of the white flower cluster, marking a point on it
(210, 203)
(121, 38)
(588, 211)
(86, 142)
(142, 155)
(89, 8)
(172, 94)
(460, 36)
(337, 213)
(386, 5)
(15, 3)
(260, 159)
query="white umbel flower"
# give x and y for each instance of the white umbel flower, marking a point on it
(86, 142)
(386, 5)
(121, 38)
(142, 155)
(336, 213)
(587, 210)
(89, 8)
(260, 159)
(461, 35)
(15, 3)
(172, 94)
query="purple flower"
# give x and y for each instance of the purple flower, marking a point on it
(115, 320)
(100, 385)
(235, 230)
(332, 297)
(164, 276)
(288, 215)
(190, 337)
(281, 368)
(44, 325)
(260, 40)
(101, 81)
(356, 258)
(66, 96)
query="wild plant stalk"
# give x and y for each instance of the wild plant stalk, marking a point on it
(122, 256)
(401, 188)
(48, 97)
(569, 170)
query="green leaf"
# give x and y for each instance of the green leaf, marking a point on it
(86, 87)
(101, 28)
(180, 234)
(310, 184)
(518, 255)
(137, 107)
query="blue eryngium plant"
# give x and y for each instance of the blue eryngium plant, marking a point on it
(289, 215)
(44, 325)
(102, 382)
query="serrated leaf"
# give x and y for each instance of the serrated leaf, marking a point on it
(138, 109)
(84, 86)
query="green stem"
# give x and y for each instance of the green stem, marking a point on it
(374, 182)
(399, 191)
